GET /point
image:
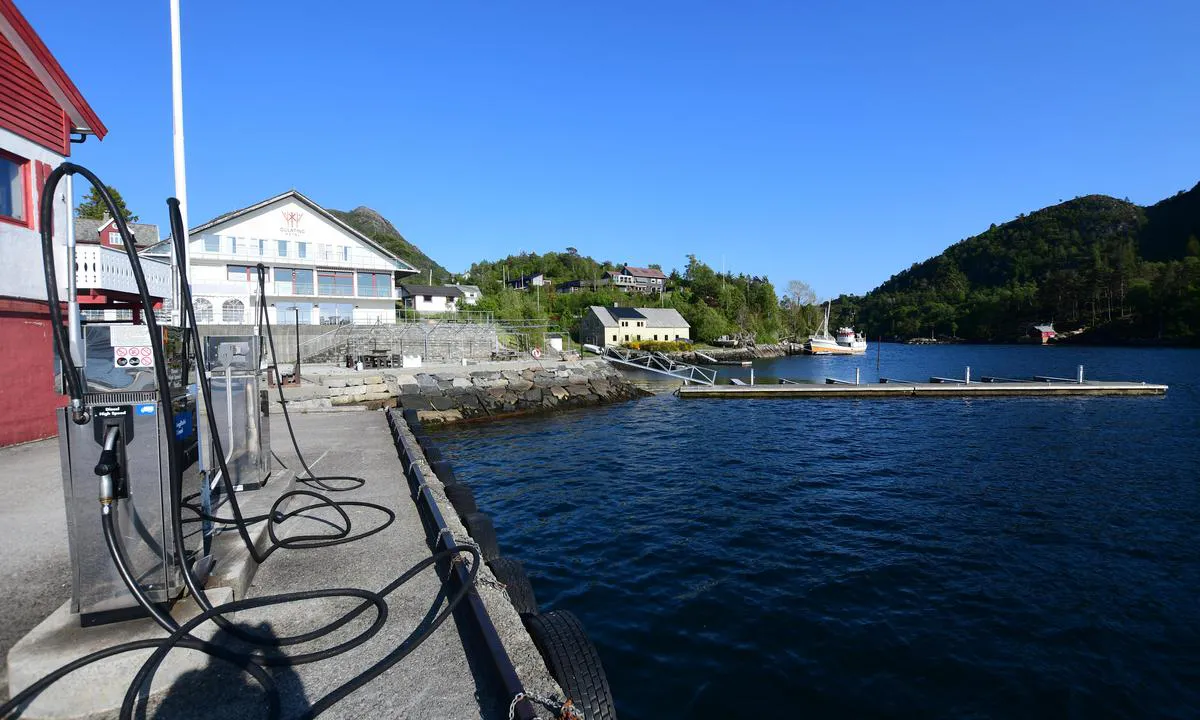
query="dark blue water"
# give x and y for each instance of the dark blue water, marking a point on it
(1004, 558)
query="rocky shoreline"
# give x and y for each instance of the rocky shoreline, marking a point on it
(462, 393)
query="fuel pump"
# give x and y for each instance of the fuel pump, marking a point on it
(125, 440)
(241, 406)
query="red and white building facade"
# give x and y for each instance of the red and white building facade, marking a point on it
(40, 109)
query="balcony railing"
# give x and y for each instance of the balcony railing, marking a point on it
(101, 268)
(246, 251)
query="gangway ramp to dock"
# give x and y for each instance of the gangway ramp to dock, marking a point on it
(656, 362)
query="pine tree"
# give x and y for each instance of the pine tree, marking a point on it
(93, 206)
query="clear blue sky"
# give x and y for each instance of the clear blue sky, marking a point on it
(831, 142)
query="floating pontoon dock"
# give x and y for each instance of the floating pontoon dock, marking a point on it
(895, 389)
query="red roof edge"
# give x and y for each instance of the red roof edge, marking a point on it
(13, 16)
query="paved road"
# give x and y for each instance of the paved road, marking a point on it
(34, 566)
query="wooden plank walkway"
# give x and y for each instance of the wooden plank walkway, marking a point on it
(905, 389)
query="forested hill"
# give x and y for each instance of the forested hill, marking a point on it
(375, 226)
(1109, 267)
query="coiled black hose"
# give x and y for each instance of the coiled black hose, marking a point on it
(274, 516)
(179, 635)
(265, 319)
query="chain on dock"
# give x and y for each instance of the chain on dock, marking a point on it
(563, 711)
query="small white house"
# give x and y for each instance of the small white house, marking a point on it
(431, 298)
(529, 281)
(471, 294)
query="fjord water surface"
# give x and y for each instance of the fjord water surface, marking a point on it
(932, 558)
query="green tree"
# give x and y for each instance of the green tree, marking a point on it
(93, 206)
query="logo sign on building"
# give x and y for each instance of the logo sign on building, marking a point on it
(291, 222)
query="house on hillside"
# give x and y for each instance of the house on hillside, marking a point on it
(605, 326)
(528, 281)
(1044, 333)
(430, 298)
(572, 286)
(470, 294)
(320, 271)
(636, 279)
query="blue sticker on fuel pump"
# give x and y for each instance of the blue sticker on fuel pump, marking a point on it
(147, 409)
(184, 422)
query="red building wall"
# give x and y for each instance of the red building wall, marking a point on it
(27, 393)
(26, 108)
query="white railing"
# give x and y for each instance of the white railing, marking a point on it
(101, 268)
(246, 251)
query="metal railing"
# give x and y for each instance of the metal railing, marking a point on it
(479, 317)
(656, 362)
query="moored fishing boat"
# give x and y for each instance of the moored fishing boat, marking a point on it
(847, 342)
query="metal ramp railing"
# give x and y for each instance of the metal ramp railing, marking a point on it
(656, 362)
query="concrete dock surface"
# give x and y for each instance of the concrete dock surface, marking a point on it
(34, 564)
(442, 678)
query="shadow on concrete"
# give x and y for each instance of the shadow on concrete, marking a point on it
(220, 690)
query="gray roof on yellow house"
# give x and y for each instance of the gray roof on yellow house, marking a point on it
(654, 317)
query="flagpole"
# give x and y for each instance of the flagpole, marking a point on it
(180, 171)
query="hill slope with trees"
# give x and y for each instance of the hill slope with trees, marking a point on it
(1115, 270)
(714, 304)
(375, 226)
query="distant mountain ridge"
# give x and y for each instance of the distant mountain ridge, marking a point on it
(375, 226)
(1095, 263)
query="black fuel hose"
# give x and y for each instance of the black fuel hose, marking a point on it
(256, 665)
(265, 319)
(240, 522)
(250, 663)
(117, 551)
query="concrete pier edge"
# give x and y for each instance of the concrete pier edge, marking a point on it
(525, 659)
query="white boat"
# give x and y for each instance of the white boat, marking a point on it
(847, 342)
(857, 342)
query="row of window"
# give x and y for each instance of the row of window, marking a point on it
(299, 281)
(231, 245)
(233, 312)
(641, 280)
(640, 323)
(639, 337)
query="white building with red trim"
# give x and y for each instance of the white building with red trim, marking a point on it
(40, 109)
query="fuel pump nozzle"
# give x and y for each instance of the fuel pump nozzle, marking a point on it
(109, 465)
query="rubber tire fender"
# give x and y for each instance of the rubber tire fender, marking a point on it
(461, 498)
(444, 471)
(573, 662)
(511, 572)
(483, 532)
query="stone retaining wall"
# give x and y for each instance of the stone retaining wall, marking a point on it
(453, 394)
(741, 353)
